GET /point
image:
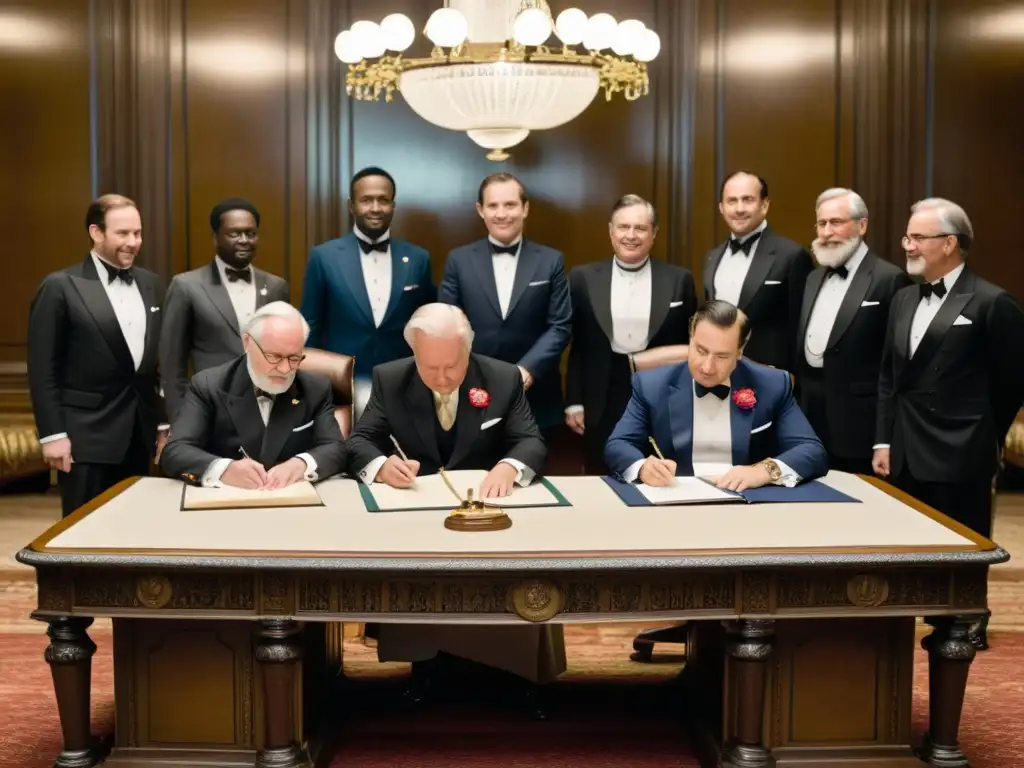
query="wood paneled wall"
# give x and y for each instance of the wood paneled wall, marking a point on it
(179, 103)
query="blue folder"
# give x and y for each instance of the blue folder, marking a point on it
(813, 491)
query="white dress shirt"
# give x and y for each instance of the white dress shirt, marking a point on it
(211, 477)
(630, 307)
(826, 309)
(505, 273)
(368, 474)
(733, 267)
(712, 438)
(241, 293)
(377, 275)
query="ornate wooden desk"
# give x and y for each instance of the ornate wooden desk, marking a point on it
(802, 636)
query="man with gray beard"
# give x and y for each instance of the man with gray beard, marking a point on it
(842, 330)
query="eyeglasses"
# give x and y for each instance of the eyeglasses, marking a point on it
(918, 239)
(274, 359)
(833, 223)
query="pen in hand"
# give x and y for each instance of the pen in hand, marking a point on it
(401, 453)
(659, 454)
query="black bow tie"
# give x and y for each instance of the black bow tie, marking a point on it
(234, 275)
(721, 391)
(938, 289)
(113, 273)
(737, 247)
(380, 245)
(511, 249)
(841, 271)
(262, 393)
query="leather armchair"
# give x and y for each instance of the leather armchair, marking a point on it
(340, 371)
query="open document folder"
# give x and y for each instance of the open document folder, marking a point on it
(698, 490)
(301, 494)
(430, 492)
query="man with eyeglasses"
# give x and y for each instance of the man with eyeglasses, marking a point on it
(950, 381)
(258, 421)
(842, 329)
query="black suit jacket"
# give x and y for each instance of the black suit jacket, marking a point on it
(945, 411)
(592, 362)
(402, 406)
(853, 352)
(771, 296)
(82, 378)
(220, 414)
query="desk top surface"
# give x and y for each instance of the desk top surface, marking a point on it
(140, 523)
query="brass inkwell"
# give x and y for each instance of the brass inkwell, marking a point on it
(473, 514)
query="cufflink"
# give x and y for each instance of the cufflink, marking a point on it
(263, 291)
(295, 402)
(405, 259)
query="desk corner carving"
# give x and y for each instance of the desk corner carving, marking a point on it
(536, 599)
(153, 591)
(867, 590)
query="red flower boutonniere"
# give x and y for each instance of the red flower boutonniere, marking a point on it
(479, 398)
(744, 398)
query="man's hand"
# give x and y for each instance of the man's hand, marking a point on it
(244, 473)
(499, 481)
(161, 441)
(658, 472)
(574, 421)
(398, 473)
(286, 473)
(743, 478)
(527, 377)
(57, 454)
(880, 462)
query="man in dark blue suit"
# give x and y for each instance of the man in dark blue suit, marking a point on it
(361, 289)
(515, 294)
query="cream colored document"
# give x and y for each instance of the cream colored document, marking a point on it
(686, 490)
(431, 492)
(300, 494)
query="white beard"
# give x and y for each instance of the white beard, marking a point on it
(834, 255)
(915, 267)
(267, 384)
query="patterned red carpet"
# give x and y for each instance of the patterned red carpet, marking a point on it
(619, 723)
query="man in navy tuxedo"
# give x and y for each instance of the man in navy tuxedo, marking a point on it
(361, 289)
(716, 409)
(516, 296)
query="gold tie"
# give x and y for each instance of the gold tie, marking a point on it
(444, 412)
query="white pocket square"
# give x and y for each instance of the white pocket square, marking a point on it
(154, 309)
(674, 304)
(538, 282)
(410, 288)
(489, 424)
(762, 428)
(869, 303)
(307, 425)
(773, 282)
(961, 320)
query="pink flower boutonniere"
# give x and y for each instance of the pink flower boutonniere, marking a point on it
(744, 398)
(479, 398)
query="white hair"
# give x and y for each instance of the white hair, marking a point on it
(953, 218)
(858, 208)
(440, 321)
(280, 309)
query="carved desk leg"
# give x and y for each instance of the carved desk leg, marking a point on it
(69, 655)
(749, 645)
(277, 652)
(950, 653)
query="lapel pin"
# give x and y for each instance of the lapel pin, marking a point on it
(295, 402)
(405, 259)
(154, 309)
(263, 291)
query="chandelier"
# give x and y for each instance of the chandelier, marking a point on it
(491, 72)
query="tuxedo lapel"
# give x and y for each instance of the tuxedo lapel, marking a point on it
(680, 420)
(599, 289)
(741, 420)
(526, 268)
(259, 278)
(349, 263)
(94, 295)
(421, 411)
(811, 290)
(760, 265)
(240, 402)
(960, 294)
(152, 344)
(850, 305)
(904, 318)
(218, 295)
(661, 296)
(285, 416)
(709, 273)
(468, 417)
(399, 274)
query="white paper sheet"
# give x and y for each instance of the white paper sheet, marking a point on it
(687, 490)
(300, 494)
(430, 492)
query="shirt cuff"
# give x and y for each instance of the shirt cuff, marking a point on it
(633, 471)
(524, 475)
(369, 473)
(789, 478)
(573, 409)
(212, 475)
(873, 447)
(52, 438)
(311, 474)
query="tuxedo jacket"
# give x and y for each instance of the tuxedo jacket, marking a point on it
(537, 328)
(853, 352)
(592, 364)
(82, 378)
(200, 325)
(945, 411)
(771, 296)
(402, 406)
(337, 307)
(662, 407)
(220, 416)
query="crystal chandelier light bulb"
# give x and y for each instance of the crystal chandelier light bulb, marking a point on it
(369, 39)
(398, 31)
(346, 48)
(571, 25)
(648, 46)
(627, 37)
(600, 32)
(531, 27)
(446, 28)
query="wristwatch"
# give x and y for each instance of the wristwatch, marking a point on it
(774, 473)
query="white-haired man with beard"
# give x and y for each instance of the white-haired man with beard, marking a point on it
(842, 329)
(258, 421)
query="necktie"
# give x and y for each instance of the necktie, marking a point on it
(737, 247)
(380, 245)
(444, 412)
(841, 271)
(262, 393)
(113, 273)
(234, 275)
(721, 391)
(938, 289)
(510, 249)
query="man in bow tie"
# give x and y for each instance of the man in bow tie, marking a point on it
(207, 307)
(759, 271)
(361, 289)
(516, 296)
(950, 381)
(258, 421)
(93, 333)
(842, 331)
